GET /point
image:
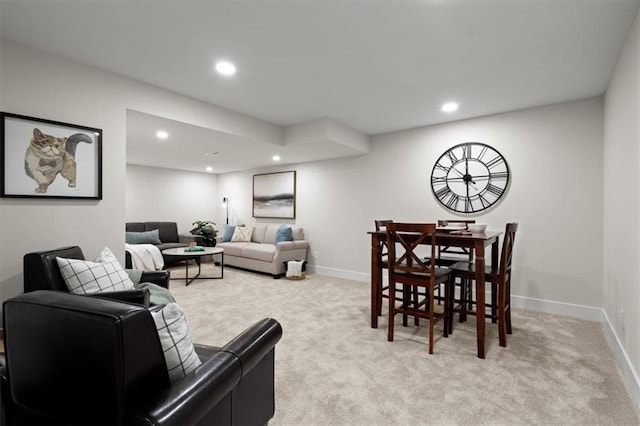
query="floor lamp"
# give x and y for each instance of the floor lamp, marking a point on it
(225, 204)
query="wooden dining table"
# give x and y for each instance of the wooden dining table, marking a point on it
(474, 241)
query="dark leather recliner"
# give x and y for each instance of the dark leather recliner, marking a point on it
(74, 359)
(41, 272)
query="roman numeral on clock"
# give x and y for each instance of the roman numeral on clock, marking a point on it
(495, 190)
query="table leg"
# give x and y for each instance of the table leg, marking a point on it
(188, 280)
(480, 296)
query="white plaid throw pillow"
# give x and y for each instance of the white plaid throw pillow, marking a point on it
(175, 338)
(242, 234)
(86, 277)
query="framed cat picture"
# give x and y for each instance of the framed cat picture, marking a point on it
(48, 159)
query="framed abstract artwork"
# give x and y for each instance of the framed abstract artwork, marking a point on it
(274, 195)
(49, 159)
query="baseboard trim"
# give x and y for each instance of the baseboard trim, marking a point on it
(571, 310)
(589, 313)
(339, 273)
(583, 312)
(628, 371)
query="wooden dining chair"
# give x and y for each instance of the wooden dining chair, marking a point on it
(500, 278)
(411, 277)
(446, 256)
(381, 225)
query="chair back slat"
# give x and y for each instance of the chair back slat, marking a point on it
(506, 257)
(463, 253)
(403, 239)
(381, 225)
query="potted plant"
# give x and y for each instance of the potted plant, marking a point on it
(206, 230)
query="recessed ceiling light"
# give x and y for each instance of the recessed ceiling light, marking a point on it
(209, 169)
(225, 68)
(276, 158)
(161, 134)
(450, 107)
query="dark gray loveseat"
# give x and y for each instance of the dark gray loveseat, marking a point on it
(169, 238)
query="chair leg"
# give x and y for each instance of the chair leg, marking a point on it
(452, 305)
(406, 300)
(464, 297)
(494, 302)
(392, 312)
(416, 302)
(431, 317)
(449, 296)
(379, 296)
(508, 307)
(379, 299)
(501, 315)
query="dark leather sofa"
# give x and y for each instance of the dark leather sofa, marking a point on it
(41, 272)
(169, 237)
(74, 359)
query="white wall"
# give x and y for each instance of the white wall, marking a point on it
(555, 155)
(42, 85)
(621, 280)
(156, 194)
(49, 87)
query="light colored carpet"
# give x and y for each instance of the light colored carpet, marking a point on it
(332, 368)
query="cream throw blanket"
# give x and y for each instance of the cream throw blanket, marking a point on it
(146, 257)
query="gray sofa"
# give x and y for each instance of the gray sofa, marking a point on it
(262, 254)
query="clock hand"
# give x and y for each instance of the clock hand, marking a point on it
(467, 178)
(482, 177)
(467, 190)
(458, 171)
(466, 173)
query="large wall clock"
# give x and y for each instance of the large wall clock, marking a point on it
(470, 177)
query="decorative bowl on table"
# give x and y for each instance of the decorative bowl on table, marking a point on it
(477, 227)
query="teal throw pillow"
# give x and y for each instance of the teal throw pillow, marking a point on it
(227, 233)
(147, 237)
(284, 233)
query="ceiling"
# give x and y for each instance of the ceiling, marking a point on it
(374, 66)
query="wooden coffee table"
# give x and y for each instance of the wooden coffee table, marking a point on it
(197, 256)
